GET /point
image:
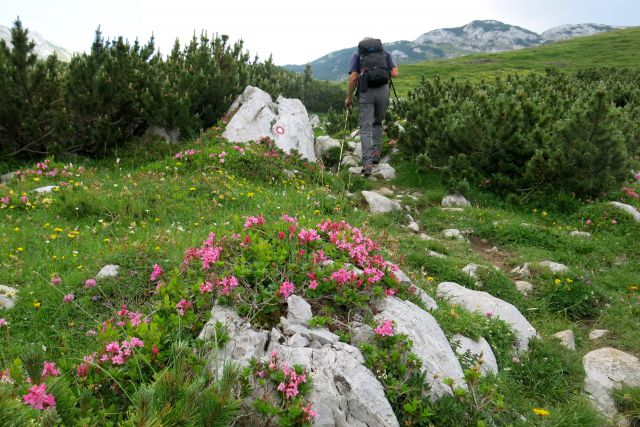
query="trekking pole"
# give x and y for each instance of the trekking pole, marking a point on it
(393, 86)
(346, 121)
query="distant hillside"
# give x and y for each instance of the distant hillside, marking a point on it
(475, 37)
(43, 48)
(615, 48)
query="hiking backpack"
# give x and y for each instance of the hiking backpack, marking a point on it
(373, 63)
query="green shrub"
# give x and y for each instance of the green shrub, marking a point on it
(575, 297)
(628, 403)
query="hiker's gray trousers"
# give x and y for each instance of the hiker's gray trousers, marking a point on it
(373, 104)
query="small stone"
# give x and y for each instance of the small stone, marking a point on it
(298, 340)
(521, 271)
(479, 348)
(453, 234)
(385, 191)
(577, 233)
(47, 189)
(315, 345)
(524, 287)
(453, 209)
(413, 226)
(109, 270)
(426, 237)
(435, 254)
(383, 171)
(555, 267)
(4, 179)
(298, 310)
(567, 338)
(379, 203)
(598, 333)
(290, 330)
(455, 200)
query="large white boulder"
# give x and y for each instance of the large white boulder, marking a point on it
(454, 200)
(429, 343)
(478, 348)
(383, 171)
(255, 115)
(606, 369)
(487, 304)
(379, 203)
(629, 209)
(344, 393)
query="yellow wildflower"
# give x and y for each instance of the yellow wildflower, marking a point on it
(540, 412)
(557, 281)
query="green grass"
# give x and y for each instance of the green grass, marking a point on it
(616, 48)
(149, 206)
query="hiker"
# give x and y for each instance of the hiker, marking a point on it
(370, 70)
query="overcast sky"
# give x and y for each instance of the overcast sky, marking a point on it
(295, 31)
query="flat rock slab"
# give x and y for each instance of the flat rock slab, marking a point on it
(607, 369)
(379, 203)
(8, 297)
(110, 270)
(47, 189)
(524, 287)
(483, 303)
(555, 267)
(596, 334)
(454, 200)
(429, 343)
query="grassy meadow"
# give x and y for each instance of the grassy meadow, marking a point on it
(616, 48)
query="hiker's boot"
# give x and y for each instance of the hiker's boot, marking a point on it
(375, 157)
(366, 170)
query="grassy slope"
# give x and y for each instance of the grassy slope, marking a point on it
(617, 48)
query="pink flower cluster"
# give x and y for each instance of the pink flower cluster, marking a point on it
(182, 306)
(49, 370)
(156, 273)
(307, 236)
(385, 329)
(630, 192)
(351, 240)
(38, 398)
(344, 276)
(68, 298)
(253, 221)
(286, 289)
(292, 380)
(220, 156)
(208, 253)
(186, 153)
(56, 280)
(118, 353)
(42, 168)
(134, 317)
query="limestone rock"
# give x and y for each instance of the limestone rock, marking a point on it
(453, 234)
(325, 143)
(413, 226)
(607, 369)
(522, 270)
(384, 191)
(379, 203)
(323, 336)
(429, 343)
(360, 333)
(314, 120)
(483, 302)
(567, 338)
(286, 121)
(8, 297)
(169, 136)
(298, 340)
(109, 270)
(46, 190)
(629, 209)
(383, 171)
(298, 310)
(5, 178)
(424, 236)
(351, 162)
(524, 287)
(479, 348)
(577, 233)
(596, 334)
(455, 200)
(435, 254)
(555, 267)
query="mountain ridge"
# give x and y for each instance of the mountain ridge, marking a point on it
(479, 36)
(43, 48)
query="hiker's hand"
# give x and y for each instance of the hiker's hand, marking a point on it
(348, 102)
